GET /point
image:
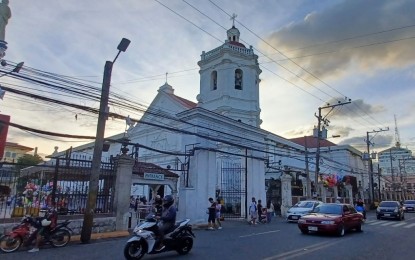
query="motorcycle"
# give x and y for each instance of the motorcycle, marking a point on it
(25, 233)
(144, 241)
(361, 209)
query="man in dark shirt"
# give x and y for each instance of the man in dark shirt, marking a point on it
(167, 218)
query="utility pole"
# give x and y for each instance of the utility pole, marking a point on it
(99, 142)
(370, 164)
(319, 134)
(307, 171)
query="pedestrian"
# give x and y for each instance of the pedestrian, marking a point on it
(270, 210)
(132, 202)
(260, 209)
(218, 210)
(253, 211)
(212, 214)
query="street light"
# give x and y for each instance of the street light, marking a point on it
(99, 142)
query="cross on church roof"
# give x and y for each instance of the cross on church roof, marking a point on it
(233, 18)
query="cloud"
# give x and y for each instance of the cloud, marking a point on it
(322, 32)
(379, 142)
(357, 108)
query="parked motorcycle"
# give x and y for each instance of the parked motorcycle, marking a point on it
(145, 239)
(25, 233)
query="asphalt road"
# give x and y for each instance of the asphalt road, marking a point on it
(381, 239)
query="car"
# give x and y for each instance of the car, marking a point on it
(301, 208)
(390, 209)
(409, 205)
(334, 218)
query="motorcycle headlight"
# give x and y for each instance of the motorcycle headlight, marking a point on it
(137, 230)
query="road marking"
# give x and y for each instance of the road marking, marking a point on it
(400, 224)
(262, 233)
(375, 223)
(410, 225)
(305, 250)
(387, 223)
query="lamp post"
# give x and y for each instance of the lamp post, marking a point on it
(99, 142)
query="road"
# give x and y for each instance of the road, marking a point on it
(381, 239)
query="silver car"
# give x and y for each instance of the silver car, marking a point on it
(409, 205)
(300, 209)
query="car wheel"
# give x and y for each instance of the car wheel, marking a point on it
(341, 230)
(304, 231)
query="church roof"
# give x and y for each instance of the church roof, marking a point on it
(187, 103)
(311, 142)
(144, 167)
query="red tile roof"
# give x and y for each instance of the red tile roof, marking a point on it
(311, 142)
(143, 167)
(187, 103)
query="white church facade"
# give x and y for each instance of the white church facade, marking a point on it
(216, 145)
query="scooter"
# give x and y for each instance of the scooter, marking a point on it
(145, 241)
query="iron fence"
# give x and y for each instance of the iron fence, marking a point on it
(62, 183)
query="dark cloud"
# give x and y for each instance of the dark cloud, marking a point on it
(357, 108)
(379, 142)
(325, 31)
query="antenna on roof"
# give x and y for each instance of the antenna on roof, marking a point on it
(166, 77)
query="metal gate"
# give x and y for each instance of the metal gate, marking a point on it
(233, 190)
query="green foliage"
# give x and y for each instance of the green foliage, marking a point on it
(26, 160)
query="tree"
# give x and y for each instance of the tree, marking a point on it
(26, 160)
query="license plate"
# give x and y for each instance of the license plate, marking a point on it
(410, 208)
(294, 217)
(387, 215)
(312, 228)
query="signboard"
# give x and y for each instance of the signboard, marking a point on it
(154, 176)
(4, 128)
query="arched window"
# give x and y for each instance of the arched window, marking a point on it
(214, 80)
(238, 79)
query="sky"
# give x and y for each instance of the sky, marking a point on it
(312, 53)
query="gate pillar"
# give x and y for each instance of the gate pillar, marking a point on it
(286, 195)
(123, 183)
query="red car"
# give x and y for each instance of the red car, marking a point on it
(334, 218)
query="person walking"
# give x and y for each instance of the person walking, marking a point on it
(270, 210)
(260, 209)
(218, 215)
(253, 211)
(212, 214)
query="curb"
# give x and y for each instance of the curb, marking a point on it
(105, 235)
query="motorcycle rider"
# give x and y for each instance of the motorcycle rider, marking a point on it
(167, 219)
(45, 222)
(361, 204)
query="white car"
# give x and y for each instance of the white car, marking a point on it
(300, 209)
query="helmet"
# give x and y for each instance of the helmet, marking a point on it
(168, 200)
(43, 212)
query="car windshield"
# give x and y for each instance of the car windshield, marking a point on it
(388, 204)
(329, 209)
(304, 204)
(409, 202)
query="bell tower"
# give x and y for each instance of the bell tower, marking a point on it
(229, 80)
